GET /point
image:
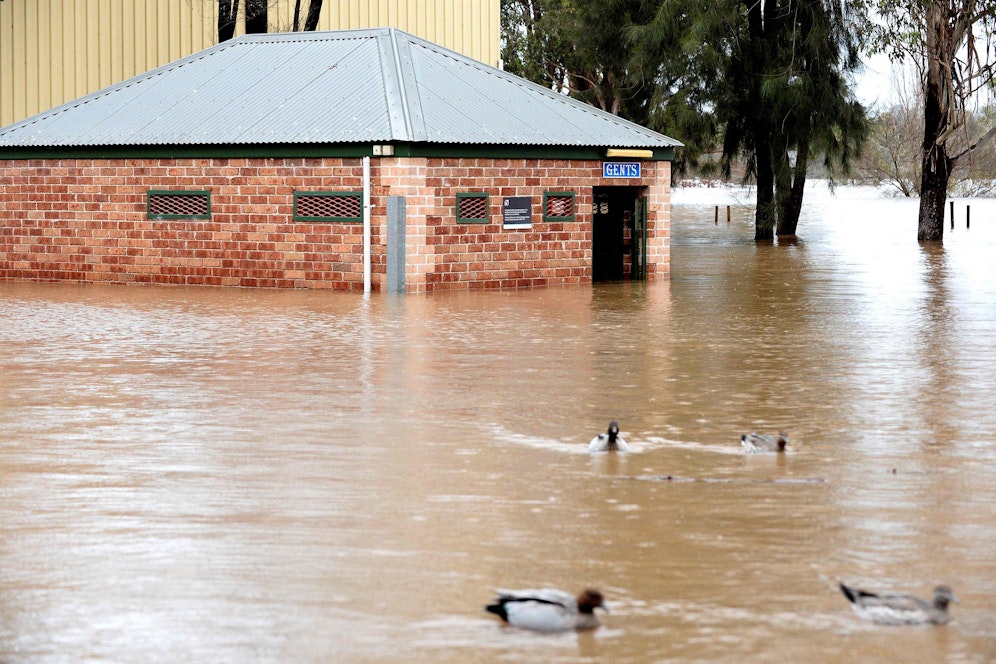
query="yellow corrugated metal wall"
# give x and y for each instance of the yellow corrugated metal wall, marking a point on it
(54, 51)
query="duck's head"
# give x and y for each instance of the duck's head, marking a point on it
(783, 439)
(943, 596)
(591, 599)
(613, 430)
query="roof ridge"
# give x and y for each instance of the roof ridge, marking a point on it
(408, 116)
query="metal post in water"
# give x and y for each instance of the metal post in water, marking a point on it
(396, 244)
(366, 227)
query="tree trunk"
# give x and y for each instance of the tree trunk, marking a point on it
(314, 12)
(936, 169)
(937, 110)
(791, 202)
(257, 17)
(228, 11)
(761, 31)
(933, 195)
(764, 214)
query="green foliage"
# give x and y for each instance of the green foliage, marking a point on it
(760, 80)
(578, 47)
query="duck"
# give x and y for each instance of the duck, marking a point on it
(764, 442)
(608, 441)
(548, 609)
(896, 609)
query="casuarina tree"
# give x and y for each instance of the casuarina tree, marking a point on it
(767, 79)
(784, 96)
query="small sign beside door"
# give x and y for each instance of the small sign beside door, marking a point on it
(517, 212)
(621, 169)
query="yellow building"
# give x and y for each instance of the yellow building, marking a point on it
(54, 51)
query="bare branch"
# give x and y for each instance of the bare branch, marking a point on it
(986, 138)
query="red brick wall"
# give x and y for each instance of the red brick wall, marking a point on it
(76, 220)
(447, 254)
(85, 221)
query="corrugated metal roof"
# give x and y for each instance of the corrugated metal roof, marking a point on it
(360, 86)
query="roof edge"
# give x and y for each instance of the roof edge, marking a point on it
(318, 151)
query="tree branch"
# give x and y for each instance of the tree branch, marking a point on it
(988, 136)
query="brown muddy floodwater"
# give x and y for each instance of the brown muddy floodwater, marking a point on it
(212, 475)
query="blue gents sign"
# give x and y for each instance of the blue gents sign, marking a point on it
(620, 169)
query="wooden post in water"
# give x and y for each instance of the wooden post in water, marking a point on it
(716, 221)
(968, 216)
(952, 215)
(727, 214)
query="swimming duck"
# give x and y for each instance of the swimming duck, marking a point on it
(764, 442)
(893, 609)
(548, 609)
(608, 441)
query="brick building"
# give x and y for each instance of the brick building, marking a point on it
(356, 160)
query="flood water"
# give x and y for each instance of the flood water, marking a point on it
(222, 475)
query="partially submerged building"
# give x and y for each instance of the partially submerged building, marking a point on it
(366, 159)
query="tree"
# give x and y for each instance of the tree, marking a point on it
(768, 76)
(785, 97)
(616, 55)
(892, 157)
(257, 16)
(311, 20)
(228, 11)
(578, 47)
(821, 116)
(942, 39)
(771, 77)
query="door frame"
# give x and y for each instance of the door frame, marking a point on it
(622, 199)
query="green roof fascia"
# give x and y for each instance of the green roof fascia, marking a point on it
(495, 151)
(186, 151)
(316, 150)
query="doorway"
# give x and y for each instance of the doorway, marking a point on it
(618, 234)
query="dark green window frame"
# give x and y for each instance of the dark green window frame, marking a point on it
(547, 195)
(473, 197)
(333, 205)
(157, 199)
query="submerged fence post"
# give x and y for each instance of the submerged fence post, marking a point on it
(952, 215)
(968, 216)
(727, 214)
(716, 220)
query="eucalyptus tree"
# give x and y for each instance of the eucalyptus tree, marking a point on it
(943, 39)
